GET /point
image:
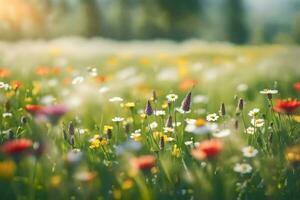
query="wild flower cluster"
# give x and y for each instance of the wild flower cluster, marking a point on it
(71, 135)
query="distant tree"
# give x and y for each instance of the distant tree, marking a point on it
(182, 17)
(236, 28)
(93, 18)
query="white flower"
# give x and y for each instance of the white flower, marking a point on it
(242, 168)
(172, 97)
(116, 99)
(117, 119)
(6, 115)
(53, 82)
(168, 130)
(250, 130)
(258, 122)
(212, 117)
(188, 143)
(159, 112)
(81, 131)
(181, 111)
(47, 100)
(253, 112)
(93, 71)
(5, 86)
(249, 151)
(153, 125)
(177, 124)
(198, 127)
(268, 91)
(222, 133)
(242, 87)
(77, 80)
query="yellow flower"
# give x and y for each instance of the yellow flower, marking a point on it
(129, 105)
(293, 154)
(36, 88)
(117, 194)
(176, 151)
(28, 99)
(107, 127)
(10, 94)
(296, 118)
(127, 184)
(143, 116)
(164, 105)
(55, 181)
(97, 141)
(7, 169)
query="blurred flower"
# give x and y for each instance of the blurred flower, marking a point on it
(200, 99)
(85, 176)
(97, 141)
(250, 130)
(172, 97)
(249, 151)
(197, 127)
(243, 168)
(296, 118)
(136, 136)
(292, 154)
(5, 86)
(42, 71)
(148, 109)
(268, 91)
(258, 122)
(77, 80)
(7, 169)
(181, 111)
(117, 119)
(55, 181)
(16, 146)
(212, 117)
(130, 105)
(33, 109)
(222, 133)
(287, 106)
(153, 125)
(74, 157)
(159, 112)
(187, 84)
(207, 149)
(253, 112)
(297, 86)
(7, 115)
(127, 184)
(16, 84)
(176, 151)
(116, 99)
(242, 87)
(4, 72)
(143, 162)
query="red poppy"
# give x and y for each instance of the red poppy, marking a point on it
(287, 106)
(297, 86)
(16, 146)
(144, 162)
(207, 149)
(33, 109)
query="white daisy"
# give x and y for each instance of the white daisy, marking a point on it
(172, 97)
(249, 151)
(222, 133)
(212, 117)
(117, 119)
(258, 122)
(77, 80)
(159, 112)
(250, 130)
(268, 91)
(253, 112)
(242, 168)
(6, 115)
(153, 125)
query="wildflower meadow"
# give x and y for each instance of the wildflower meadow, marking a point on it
(84, 120)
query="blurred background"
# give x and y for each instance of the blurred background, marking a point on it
(237, 21)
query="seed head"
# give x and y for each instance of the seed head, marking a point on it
(148, 110)
(186, 103)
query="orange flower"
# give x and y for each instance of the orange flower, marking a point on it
(143, 162)
(4, 73)
(16, 84)
(55, 70)
(287, 106)
(33, 109)
(42, 71)
(297, 86)
(187, 84)
(207, 149)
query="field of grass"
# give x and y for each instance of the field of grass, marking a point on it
(99, 119)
